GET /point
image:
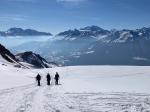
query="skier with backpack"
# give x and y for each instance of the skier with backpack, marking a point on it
(48, 77)
(38, 79)
(56, 78)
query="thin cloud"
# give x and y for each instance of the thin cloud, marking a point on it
(22, 0)
(70, 0)
(72, 3)
(12, 17)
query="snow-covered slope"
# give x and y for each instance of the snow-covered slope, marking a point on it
(11, 76)
(82, 89)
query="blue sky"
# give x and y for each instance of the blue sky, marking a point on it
(59, 15)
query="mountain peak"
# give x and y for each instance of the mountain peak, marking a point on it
(92, 28)
(34, 59)
(89, 31)
(15, 28)
(14, 31)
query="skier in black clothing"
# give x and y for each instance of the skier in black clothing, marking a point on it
(48, 79)
(56, 78)
(38, 78)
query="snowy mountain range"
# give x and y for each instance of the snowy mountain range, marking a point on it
(96, 46)
(116, 47)
(110, 35)
(23, 32)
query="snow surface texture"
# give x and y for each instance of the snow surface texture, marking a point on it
(81, 89)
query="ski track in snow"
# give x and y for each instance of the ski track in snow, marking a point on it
(31, 98)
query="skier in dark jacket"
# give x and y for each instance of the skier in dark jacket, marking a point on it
(38, 78)
(48, 79)
(56, 78)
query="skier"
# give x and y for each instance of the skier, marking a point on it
(38, 78)
(56, 78)
(48, 79)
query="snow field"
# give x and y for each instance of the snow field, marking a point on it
(81, 89)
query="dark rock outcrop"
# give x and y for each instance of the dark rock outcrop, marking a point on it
(7, 55)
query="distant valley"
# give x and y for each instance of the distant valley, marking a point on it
(93, 45)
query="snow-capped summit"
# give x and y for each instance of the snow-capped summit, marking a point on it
(70, 33)
(144, 32)
(122, 36)
(92, 28)
(86, 32)
(125, 35)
